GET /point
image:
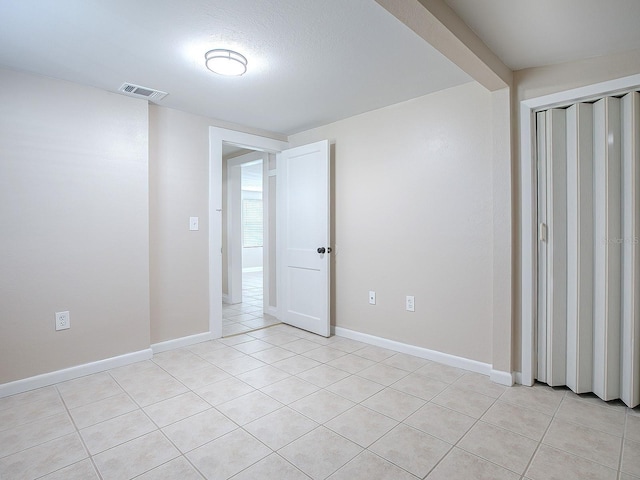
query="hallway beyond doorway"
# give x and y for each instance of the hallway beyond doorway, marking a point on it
(248, 315)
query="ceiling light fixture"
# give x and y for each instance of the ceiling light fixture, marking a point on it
(225, 62)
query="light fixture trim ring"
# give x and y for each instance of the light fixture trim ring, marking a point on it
(226, 62)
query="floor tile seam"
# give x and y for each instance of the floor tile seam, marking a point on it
(524, 407)
(493, 402)
(283, 446)
(287, 404)
(160, 427)
(490, 422)
(40, 443)
(165, 463)
(515, 403)
(185, 453)
(475, 420)
(307, 416)
(502, 467)
(80, 437)
(30, 421)
(440, 460)
(78, 389)
(433, 377)
(582, 457)
(537, 449)
(235, 475)
(397, 422)
(346, 398)
(71, 464)
(588, 427)
(2, 409)
(140, 408)
(323, 425)
(478, 420)
(624, 431)
(451, 447)
(588, 404)
(521, 474)
(387, 460)
(410, 394)
(180, 454)
(472, 390)
(254, 419)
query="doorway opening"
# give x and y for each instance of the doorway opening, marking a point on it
(247, 220)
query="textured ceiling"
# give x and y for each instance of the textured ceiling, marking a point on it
(531, 33)
(311, 62)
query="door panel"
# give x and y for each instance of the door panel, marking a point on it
(303, 175)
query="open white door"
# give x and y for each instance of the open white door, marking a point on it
(303, 176)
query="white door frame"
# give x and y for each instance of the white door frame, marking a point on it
(528, 204)
(217, 136)
(234, 226)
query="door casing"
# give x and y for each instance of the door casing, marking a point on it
(217, 136)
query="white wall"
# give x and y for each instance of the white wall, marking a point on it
(74, 220)
(413, 216)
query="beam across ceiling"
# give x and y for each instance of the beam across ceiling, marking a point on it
(438, 24)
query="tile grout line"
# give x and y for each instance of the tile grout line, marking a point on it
(77, 431)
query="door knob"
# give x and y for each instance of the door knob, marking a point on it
(321, 250)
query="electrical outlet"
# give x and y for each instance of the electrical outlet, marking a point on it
(372, 297)
(62, 320)
(410, 305)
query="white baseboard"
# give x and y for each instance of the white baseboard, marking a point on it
(273, 311)
(181, 342)
(517, 377)
(63, 375)
(503, 378)
(444, 358)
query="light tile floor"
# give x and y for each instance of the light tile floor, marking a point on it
(283, 404)
(248, 315)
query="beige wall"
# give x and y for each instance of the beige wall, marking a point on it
(413, 216)
(179, 189)
(74, 219)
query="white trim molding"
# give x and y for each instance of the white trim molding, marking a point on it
(63, 375)
(528, 214)
(181, 342)
(434, 355)
(218, 136)
(503, 378)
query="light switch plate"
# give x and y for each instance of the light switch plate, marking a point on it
(193, 223)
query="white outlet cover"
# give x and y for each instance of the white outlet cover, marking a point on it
(410, 303)
(63, 321)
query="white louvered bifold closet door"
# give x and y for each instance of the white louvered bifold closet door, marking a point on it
(588, 250)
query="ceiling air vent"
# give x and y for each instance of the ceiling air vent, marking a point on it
(142, 92)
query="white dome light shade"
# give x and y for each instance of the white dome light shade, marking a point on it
(225, 62)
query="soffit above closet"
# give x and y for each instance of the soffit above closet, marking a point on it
(532, 33)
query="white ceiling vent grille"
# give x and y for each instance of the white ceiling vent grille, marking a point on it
(142, 92)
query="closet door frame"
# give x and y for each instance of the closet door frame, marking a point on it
(528, 206)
